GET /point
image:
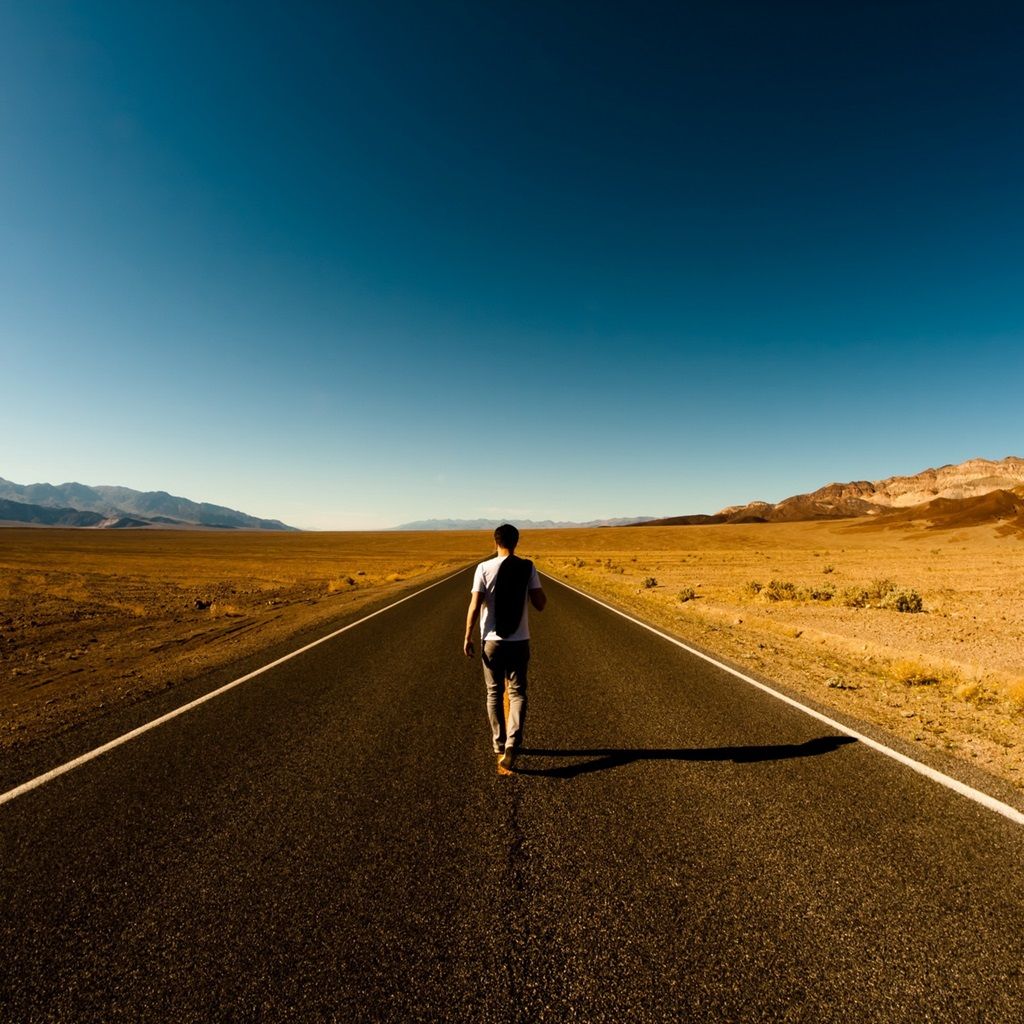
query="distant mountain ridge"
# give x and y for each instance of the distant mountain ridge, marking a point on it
(524, 524)
(117, 507)
(37, 515)
(966, 480)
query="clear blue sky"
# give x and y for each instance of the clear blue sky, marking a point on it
(355, 264)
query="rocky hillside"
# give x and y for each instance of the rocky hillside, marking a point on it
(999, 506)
(971, 479)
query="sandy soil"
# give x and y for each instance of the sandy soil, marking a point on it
(93, 618)
(949, 677)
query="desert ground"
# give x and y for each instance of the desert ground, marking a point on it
(90, 619)
(93, 618)
(816, 606)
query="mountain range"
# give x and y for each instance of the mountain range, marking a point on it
(978, 490)
(106, 507)
(956, 484)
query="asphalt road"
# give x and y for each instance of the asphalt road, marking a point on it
(330, 841)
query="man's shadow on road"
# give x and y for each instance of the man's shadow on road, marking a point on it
(605, 758)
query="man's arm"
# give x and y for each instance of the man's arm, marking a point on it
(476, 601)
(537, 596)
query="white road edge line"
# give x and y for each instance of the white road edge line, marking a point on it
(40, 780)
(922, 769)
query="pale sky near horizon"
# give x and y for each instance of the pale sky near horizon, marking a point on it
(359, 264)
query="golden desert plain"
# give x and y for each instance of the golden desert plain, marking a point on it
(915, 629)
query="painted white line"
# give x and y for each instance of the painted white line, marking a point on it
(936, 776)
(40, 780)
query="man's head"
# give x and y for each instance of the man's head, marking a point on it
(506, 536)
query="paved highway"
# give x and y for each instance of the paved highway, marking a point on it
(329, 841)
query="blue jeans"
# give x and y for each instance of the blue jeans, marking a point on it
(505, 663)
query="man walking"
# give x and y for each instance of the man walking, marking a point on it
(502, 586)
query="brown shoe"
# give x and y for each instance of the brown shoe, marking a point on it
(505, 761)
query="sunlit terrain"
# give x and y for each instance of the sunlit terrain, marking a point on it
(90, 619)
(816, 606)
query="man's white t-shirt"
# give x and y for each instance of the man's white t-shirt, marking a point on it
(483, 583)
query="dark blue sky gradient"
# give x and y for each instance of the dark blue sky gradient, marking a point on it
(356, 264)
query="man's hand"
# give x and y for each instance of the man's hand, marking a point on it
(476, 601)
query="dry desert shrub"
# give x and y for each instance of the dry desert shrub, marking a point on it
(781, 590)
(968, 691)
(341, 584)
(649, 582)
(915, 673)
(752, 588)
(687, 594)
(1015, 693)
(883, 593)
(902, 601)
